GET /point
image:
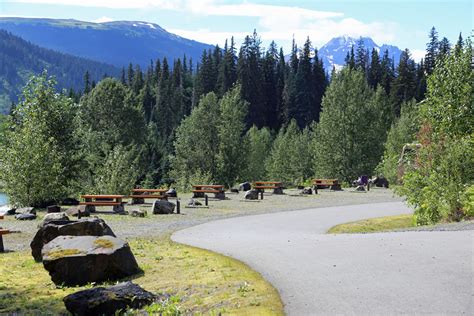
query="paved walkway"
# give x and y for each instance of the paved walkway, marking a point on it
(364, 274)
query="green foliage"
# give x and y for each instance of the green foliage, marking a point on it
(403, 131)
(197, 143)
(445, 164)
(38, 158)
(291, 159)
(258, 143)
(348, 140)
(119, 171)
(232, 152)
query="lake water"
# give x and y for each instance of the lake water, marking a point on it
(3, 198)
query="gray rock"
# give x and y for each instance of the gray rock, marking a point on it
(78, 260)
(194, 202)
(251, 195)
(25, 210)
(53, 229)
(171, 193)
(25, 217)
(380, 182)
(307, 191)
(360, 188)
(245, 186)
(74, 211)
(53, 209)
(108, 301)
(53, 217)
(234, 190)
(163, 207)
(137, 213)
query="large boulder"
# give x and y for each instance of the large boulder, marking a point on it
(108, 301)
(53, 229)
(53, 209)
(380, 182)
(25, 217)
(53, 217)
(245, 186)
(78, 260)
(75, 210)
(251, 195)
(163, 207)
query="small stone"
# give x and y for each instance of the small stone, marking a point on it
(194, 202)
(25, 210)
(53, 217)
(74, 211)
(307, 191)
(25, 217)
(137, 213)
(53, 209)
(171, 193)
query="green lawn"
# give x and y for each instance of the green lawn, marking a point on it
(373, 225)
(201, 282)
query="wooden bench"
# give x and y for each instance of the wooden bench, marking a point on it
(332, 184)
(91, 201)
(138, 196)
(276, 186)
(2, 232)
(200, 189)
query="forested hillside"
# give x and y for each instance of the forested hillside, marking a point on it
(20, 59)
(117, 43)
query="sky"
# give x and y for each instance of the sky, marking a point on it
(404, 23)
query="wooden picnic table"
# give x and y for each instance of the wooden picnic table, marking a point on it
(200, 189)
(114, 200)
(332, 184)
(3, 232)
(276, 186)
(138, 196)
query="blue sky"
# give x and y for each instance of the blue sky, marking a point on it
(403, 23)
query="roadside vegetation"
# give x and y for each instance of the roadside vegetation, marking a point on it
(198, 281)
(373, 225)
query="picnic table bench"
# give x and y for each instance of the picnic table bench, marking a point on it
(200, 189)
(2, 232)
(91, 201)
(332, 184)
(138, 196)
(276, 186)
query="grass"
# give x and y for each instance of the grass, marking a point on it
(200, 281)
(374, 225)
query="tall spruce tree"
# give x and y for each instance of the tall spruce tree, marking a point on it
(404, 86)
(374, 76)
(432, 49)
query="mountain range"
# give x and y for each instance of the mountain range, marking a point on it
(68, 48)
(334, 52)
(118, 43)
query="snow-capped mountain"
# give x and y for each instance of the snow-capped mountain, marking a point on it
(334, 52)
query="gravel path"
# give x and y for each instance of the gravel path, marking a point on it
(161, 225)
(363, 274)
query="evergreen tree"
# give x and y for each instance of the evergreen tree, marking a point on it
(374, 76)
(420, 81)
(87, 83)
(250, 77)
(289, 93)
(270, 90)
(350, 58)
(304, 110)
(281, 74)
(444, 48)
(361, 57)
(227, 70)
(319, 84)
(432, 49)
(130, 75)
(404, 86)
(387, 73)
(459, 45)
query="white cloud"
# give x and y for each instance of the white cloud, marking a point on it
(112, 4)
(417, 54)
(103, 19)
